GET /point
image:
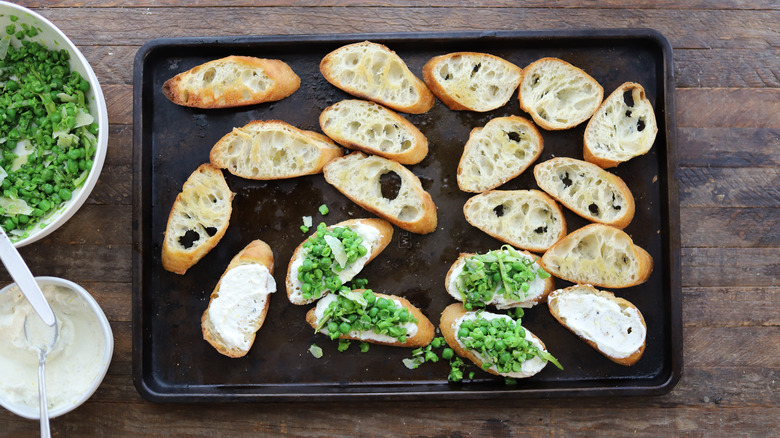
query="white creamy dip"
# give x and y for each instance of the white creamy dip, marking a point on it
(370, 236)
(241, 298)
(527, 368)
(535, 288)
(617, 332)
(367, 335)
(72, 366)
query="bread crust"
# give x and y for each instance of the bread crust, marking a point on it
(527, 103)
(549, 283)
(226, 154)
(256, 252)
(427, 220)
(511, 231)
(459, 103)
(585, 288)
(599, 122)
(330, 70)
(206, 181)
(284, 82)
(506, 164)
(577, 271)
(449, 317)
(385, 235)
(425, 329)
(545, 174)
(413, 155)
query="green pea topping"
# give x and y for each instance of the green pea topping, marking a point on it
(324, 209)
(355, 311)
(502, 344)
(49, 139)
(505, 272)
(326, 253)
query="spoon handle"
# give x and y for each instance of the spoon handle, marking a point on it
(44, 409)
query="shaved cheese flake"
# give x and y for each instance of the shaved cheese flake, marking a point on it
(337, 249)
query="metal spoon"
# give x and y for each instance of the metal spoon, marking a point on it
(43, 338)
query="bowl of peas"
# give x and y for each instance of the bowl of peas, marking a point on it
(53, 126)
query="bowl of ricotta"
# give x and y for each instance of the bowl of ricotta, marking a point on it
(77, 363)
(53, 143)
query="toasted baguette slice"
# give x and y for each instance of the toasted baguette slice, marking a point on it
(600, 255)
(620, 131)
(500, 151)
(611, 325)
(265, 150)
(201, 213)
(240, 300)
(527, 219)
(587, 190)
(374, 72)
(557, 94)
(232, 81)
(472, 81)
(358, 177)
(538, 288)
(376, 235)
(420, 334)
(451, 319)
(372, 128)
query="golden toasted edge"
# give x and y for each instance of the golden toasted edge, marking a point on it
(180, 263)
(547, 199)
(424, 225)
(441, 93)
(621, 186)
(424, 104)
(549, 283)
(551, 304)
(603, 162)
(472, 145)
(256, 252)
(414, 155)
(644, 259)
(449, 317)
(385, 235)
(425, 329)
(286, 82)
(327, 148)
(527, 108)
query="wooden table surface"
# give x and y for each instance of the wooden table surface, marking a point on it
(727, 70)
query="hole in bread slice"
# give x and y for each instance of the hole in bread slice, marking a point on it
(188, 239)
(499, 210)
(390, 183)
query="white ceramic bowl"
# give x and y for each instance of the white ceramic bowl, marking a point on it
(50, 36)
(82, 393)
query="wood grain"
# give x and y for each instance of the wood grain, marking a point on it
(728, 140)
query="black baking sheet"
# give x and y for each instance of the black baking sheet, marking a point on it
(171, 361)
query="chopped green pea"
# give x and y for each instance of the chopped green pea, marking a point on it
(324, 209)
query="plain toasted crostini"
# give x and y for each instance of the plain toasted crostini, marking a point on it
(198, 219)
(232, 81)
